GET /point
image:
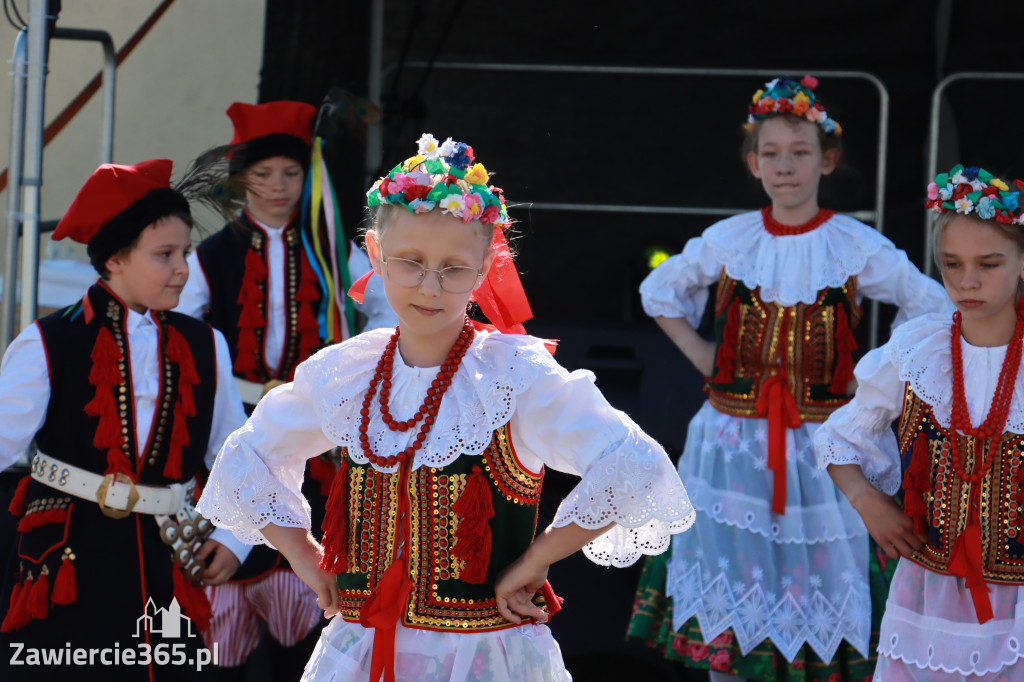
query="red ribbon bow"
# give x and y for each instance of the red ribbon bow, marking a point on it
(776, 401)
(965, 558)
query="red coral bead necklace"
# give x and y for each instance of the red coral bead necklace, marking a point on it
(992, 428)
(427, 412)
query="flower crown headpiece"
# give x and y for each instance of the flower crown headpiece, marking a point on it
(442, 175)
(789, 96)
(963, 190)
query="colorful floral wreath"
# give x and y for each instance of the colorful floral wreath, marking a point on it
(975, 189)
(789, 96)
(442, 175)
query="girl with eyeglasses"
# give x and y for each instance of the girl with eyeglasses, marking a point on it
(429, 562)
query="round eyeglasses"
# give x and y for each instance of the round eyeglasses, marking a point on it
(455, 279)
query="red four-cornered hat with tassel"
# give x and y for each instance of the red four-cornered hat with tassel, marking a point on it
(110, 190)
(256, 120)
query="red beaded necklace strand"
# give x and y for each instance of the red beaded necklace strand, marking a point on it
(427, 411)
(992, 428)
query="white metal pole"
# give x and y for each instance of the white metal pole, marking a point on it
(35, 107)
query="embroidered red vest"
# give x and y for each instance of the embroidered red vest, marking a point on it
(443, 596)
(937, 498)
(812, 345)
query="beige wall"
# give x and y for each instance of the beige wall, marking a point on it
(171, 91)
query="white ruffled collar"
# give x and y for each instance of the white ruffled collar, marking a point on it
(792, 269)
(495, 370)
(921, 352)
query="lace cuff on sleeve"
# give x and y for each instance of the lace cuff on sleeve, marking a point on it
(243, 494)
(860, 432)
(634, 486)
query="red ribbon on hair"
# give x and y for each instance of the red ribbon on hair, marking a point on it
(358, 288)
(501, 296)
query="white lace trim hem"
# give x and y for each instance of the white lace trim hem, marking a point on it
(756, 615)
(935, 643)
(799, 525)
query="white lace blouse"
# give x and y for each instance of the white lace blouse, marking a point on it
(557, 418)
(919, 352)
(789, 269)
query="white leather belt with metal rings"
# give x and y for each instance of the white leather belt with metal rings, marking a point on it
(117, 495)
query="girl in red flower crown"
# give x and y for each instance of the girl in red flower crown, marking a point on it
(957, 453)
(775, 581)
(429, 561)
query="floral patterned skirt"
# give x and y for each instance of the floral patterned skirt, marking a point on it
(651, 624)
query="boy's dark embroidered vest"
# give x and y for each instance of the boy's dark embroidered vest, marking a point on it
(68, 431)
(441, 597)
(68, 553)
(811, 346)
(234, 261)
(936, 497)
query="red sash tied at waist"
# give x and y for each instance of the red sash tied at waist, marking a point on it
(776, 402)
(965, 558)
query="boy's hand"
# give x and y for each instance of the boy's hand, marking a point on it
(222, 564)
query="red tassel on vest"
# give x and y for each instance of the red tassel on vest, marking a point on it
(842, 375)
(15, 612)
(105, 355)
(250, 296)
(178, 352)
(307, 326)
(916, 482)
(307, 286)
(1020, 496)
(192, 600)
(726, 361)
(41, 518)
(17, 505)
(473, 536)
(65, 587)
(105, 375)
(246, 361)
(38, 596)
(322, 471)
(335, 522)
